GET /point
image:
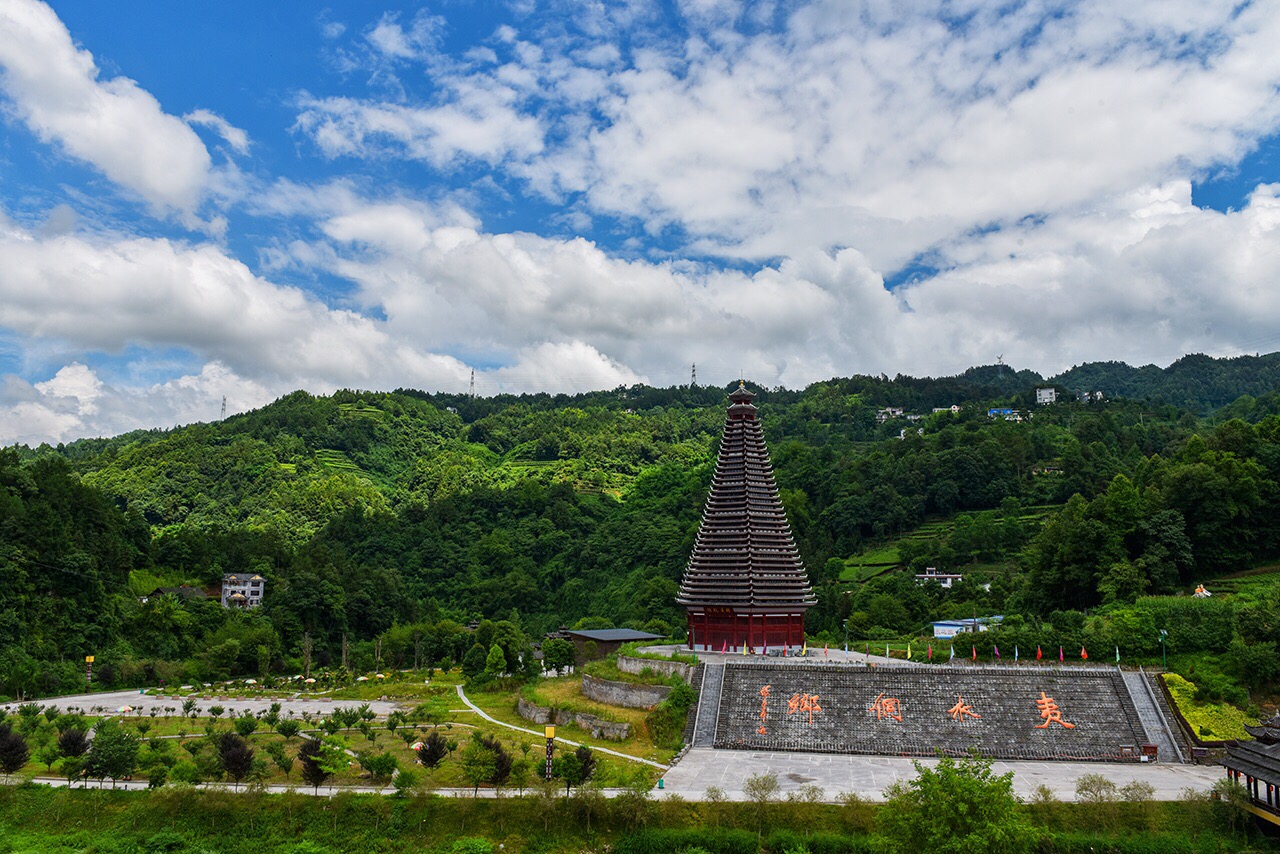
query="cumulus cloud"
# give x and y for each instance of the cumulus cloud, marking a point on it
(235, 137)
(114, 125)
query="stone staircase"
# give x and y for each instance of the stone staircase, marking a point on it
(704, 727)
(1180, 736)
(1006, 712)
(691, 717)
(1152, 717)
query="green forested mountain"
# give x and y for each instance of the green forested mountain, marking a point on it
(400, 515)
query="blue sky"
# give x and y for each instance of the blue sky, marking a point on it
(233, 199)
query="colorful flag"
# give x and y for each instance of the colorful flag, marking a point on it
(824, 649)
(953, 652)
(1117, 655)
(766, 648)
(997, 649)
(929, 655)
(908, 652)
(975, 653)
(804, 650)
(1083, 653)
(886, 651)
(1015, 652)
(725, 648)
(784, 650)
(1039, 654)
(1060, 656)
(744, 647)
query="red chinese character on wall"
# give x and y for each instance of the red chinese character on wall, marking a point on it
(960, 709)
(887, 707)
(803, 703)
(1051, 713)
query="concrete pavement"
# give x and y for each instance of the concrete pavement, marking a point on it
(142, 704)
(869, 776)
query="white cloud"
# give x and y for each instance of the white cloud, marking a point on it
(115, 125)
(235, 137)
(480, 123)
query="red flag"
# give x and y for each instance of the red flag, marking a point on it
(1039, 654)
(1083, 654)
(930, 656)
(725, 648)
(975, 653)
(1060, 657)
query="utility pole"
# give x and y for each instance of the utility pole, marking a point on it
(472, 392)
(223, 416)
(693, 376)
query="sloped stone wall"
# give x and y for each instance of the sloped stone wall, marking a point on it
(599, 728)
(623, 694)
(629, 664)
(920, 711)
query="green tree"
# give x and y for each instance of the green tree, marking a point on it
(958, 806)
(478, 764)
(114, 752)
(474, 661)
(495, 663)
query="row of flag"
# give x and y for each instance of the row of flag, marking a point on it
(1084, 653)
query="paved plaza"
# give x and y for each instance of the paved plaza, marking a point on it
(142, 704)
(869, 776)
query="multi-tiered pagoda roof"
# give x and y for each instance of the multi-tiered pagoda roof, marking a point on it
(745, 582)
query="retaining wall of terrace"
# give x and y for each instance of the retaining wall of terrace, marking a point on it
(630, 664)
(1004, 713)
(623, 694)
(599, 728)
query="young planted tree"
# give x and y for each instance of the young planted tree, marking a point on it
(72, 742)
(434, 749)
(281, 756)
(311, 756)
(478, 764)
(114, 752)
(235, 756)
(245, 724)
(14, 751)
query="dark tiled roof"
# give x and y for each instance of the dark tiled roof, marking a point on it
(609, 635)
(1260, 761)
(744, 556)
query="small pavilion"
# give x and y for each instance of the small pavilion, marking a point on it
(1256, 765)
(745, 585)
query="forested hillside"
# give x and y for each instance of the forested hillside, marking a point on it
(402, 515)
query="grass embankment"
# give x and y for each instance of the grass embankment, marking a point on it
(173, 741)
(1210, 721)
(39, 819)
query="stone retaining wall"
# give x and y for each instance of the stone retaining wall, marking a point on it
(629, 664)
(626, 694)
(1000, 712)
(599, 728)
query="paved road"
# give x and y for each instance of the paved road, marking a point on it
(142, 704)
(868, 776)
